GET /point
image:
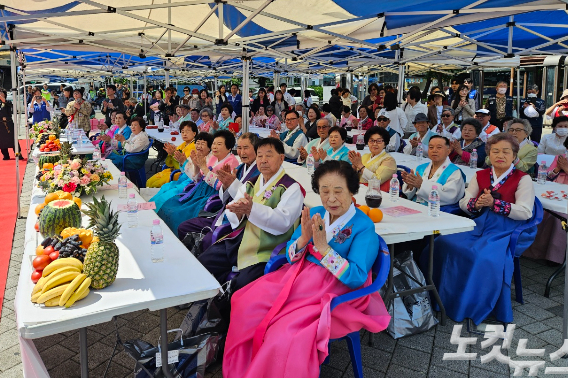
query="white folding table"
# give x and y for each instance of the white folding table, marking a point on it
(140, 284)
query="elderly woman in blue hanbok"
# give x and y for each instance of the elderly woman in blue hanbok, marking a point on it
(337, 149)
(203, 142)
(473, 270)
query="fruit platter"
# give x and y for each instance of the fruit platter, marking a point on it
(70, 261)
(74, 176)
(52, 144)
(44, 128)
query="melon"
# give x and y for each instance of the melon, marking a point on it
(57, 216)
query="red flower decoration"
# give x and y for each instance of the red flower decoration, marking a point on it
(70, 187)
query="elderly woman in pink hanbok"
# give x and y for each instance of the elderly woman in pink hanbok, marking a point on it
(281, 323)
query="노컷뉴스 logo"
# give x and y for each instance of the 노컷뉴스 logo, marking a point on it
(493, 333)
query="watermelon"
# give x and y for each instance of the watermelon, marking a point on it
(48, 159)
(57, 216)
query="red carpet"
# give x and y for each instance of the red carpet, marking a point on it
(8, 200)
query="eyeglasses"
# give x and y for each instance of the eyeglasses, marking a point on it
(376, 141)
(288, 120)
(515, 130)
(446, 115)
(382, 119)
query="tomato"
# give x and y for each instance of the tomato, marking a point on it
(54, 255)
(36, 227)
(40, 262)
(39, 250)
(47, 250)
(36, 275)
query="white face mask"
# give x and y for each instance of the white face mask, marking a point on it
(195, 96)
(300, 113)
(533, 95)
(561, 131)
(502, 90)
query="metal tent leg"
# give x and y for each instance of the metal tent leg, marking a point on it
(164, 342)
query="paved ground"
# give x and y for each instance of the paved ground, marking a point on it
(538, 320)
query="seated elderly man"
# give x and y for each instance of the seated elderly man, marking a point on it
(293, 138)
(231, 182)
(421, 136)
(447, 127)
(264, 214)
(441, 172)
(323, 126)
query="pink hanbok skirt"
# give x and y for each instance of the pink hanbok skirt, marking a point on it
(296, 337)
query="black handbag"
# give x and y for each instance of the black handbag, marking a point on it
(193, 241)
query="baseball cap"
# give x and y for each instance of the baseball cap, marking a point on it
(482, 111)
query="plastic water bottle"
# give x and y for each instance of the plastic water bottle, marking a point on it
(394, 188)
(434, 202)
(157, 240)
(122, 186)
(473, 159)
(419, 151)
(310, 163)
(97, 153)
(542, 173)
(359, 126)
(132, 207)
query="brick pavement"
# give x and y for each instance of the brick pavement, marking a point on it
(539, 320)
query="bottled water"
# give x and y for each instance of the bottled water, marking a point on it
(394, 188)
(434, 202)
(132, 207)
(157, 240)
(122, 186)
(542, 173)
(419, 151)
(359, 126)
(310, 163)
(473, 159)
(97, 153)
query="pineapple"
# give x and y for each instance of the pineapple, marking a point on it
(101, 261)
(65, 152)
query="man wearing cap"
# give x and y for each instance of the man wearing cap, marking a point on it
(448, 128)
(383, 120)
(421, 136)
(483, 116)
(193, 101)
(435, 110)
(500, 105)
(287, 96)
(532, 110)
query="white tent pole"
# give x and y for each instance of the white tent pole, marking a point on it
(167, 77)
(16, 122)
(518, 91)
(26, 110)
(169, 30)
(510, 41)
(131, 86)
(245, 97)
(221, 9)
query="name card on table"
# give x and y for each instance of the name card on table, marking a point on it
(115, 186)
(141, 206)
(399, 211)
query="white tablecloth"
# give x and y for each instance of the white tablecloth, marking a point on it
(164, 137)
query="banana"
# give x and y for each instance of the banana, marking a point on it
(63, 269)
(39, 285)
(71, 289)
(79, 292)
(55, 292)
(35, 297)
(60, 263)
(58, 280)
(53, 302)
(85, 293)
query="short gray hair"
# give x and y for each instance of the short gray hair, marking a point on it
(252, 137)
(324, 119)
(534, 87)
(206, 110)
(448, 109)
(502, 137)
(524, 122)
(132, 100)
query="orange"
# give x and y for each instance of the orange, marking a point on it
(376, 215)
(51, 197)
(52, 137)
(39, 208)
(364, 209)
(77, 200)
(47, 166)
